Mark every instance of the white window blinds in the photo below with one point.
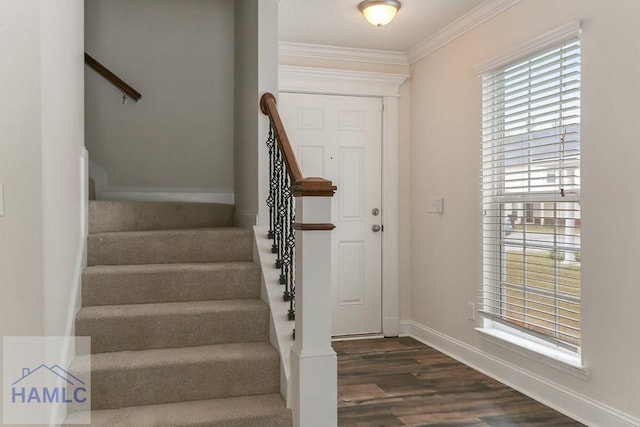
(531, 195)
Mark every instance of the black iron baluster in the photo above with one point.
(271, 144)
(281, 218)
(291, 245)
(286, 254)
(278, 171)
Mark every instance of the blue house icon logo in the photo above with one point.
(34, 386)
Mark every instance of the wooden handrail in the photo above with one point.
(311, 186)
(112, 78)
(269, 107)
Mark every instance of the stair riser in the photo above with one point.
(277, 420)
(193, 283)
(105, 216)
(272, 421)
(171, 299)
(283, 420)
(149, 248)
(118, 388)
(266, 410)
(130, 332)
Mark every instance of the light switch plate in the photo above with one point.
(435, 205)
(1, 199)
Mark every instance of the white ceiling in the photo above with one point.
(340, 23)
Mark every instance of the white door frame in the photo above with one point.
(385, 86)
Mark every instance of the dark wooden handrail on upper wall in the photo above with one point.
(301, 186)
(112, 78)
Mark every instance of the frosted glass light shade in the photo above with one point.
(379, 12)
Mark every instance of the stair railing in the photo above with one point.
(286, 181)
(127, 90)
(299, 230)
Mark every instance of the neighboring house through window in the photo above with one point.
(531, 174)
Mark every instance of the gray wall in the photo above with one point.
(246, 106)
(256, 68)
(179, 55)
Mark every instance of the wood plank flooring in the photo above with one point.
(402, 382)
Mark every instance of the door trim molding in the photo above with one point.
(339, 82)
(387, 87)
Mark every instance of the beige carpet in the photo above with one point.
(171, 300)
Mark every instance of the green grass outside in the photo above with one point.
(542, 271)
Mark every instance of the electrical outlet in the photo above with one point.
(471, 311)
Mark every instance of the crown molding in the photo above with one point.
(462, 25)
(329, 81)
(467, 22)
(343, 53)
(568, 31)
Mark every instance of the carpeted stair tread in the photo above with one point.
(266, 410)
(111, 215)
(168, 325)
(170, 246)
(171, 300)
(155, 283)
(148, 377)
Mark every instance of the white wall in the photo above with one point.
(41, 144)
(179, 55)
(445, 161)
(256, 68)
(21, 257)
(62, 78)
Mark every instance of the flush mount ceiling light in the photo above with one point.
(379, 12)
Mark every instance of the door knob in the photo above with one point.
(375, 211)
(375, 228)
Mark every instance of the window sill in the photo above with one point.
(549, 355)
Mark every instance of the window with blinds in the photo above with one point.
(531, 196)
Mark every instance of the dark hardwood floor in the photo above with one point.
(402, 382)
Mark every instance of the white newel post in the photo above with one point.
(313, 362)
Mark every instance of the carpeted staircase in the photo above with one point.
(171, 300)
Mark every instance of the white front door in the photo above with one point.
(339, 138)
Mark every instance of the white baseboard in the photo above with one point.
(581, 408)
(280, 327)
(68, 352)
(163, 195)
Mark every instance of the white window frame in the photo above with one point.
(492, 329)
